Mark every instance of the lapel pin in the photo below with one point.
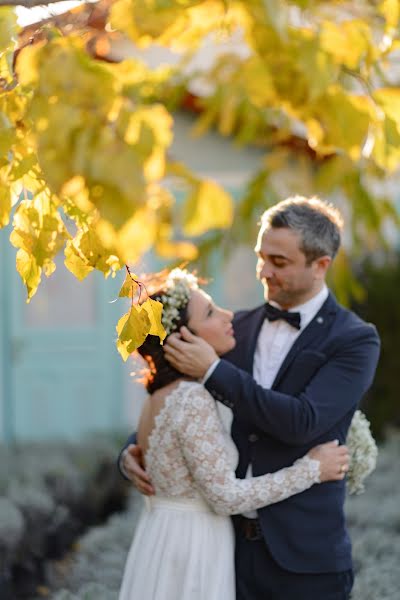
(320, 320)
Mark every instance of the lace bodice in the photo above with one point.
(189, 455)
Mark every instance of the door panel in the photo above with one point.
(64, 371)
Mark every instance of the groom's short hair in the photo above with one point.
(318, 223)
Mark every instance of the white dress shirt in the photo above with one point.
(273, 344)
(277, 337)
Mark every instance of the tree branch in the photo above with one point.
(30, 3)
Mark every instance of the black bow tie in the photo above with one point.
(273, 314)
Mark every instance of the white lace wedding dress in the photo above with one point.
(183, 548)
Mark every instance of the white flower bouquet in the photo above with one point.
(363, 453)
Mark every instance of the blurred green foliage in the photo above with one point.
(381, 306)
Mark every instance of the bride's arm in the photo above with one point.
(201, 437)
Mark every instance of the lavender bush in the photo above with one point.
(95, 570)
(49, 494)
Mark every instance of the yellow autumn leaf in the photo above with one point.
(39, 233)
(90, 246)
(49, 266)
(5, 205)
(137, 235)
(207, 207)
(389, 100)
(22, 165)
(75, 262)
(121, 347)
(345, 119)
(129, 287)
(257, 81)
(7, 133)
(142, 21)
(29, 271)
(386, 149)
(27, 65)
(347, 42)
(8, 27)
(176, 249)
(154, 311)
(132, 329)
(390, 9)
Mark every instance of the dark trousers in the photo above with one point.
(259, 577)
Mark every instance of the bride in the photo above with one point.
(183, 548)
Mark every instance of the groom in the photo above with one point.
(299, 369)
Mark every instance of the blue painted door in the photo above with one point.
(61, 371)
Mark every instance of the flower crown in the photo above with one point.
(178, 286)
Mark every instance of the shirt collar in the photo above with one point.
(309, 309)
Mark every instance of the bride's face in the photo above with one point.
(210, 322)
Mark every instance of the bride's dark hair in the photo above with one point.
(160, 372)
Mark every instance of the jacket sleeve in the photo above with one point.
(334, 390)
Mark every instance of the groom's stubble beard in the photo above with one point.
(289, 295)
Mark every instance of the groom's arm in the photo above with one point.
(335, 389)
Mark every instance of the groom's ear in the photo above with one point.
(321, 266)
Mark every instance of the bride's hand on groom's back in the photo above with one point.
(333, 459)
(132, 464)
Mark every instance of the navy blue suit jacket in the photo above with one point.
(312, 400)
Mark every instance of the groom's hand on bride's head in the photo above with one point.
(132, 465)
(189, 353)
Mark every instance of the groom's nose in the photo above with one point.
(267, 271)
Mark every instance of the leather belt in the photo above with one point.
(250, 529)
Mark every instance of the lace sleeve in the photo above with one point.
(200, 435)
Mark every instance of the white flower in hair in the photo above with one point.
(178, 287)
(363, 453)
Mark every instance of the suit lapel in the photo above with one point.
(315, 329)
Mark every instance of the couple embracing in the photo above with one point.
(292, 373)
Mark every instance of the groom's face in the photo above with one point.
(282, 267)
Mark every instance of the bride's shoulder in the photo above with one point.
(193, 393)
